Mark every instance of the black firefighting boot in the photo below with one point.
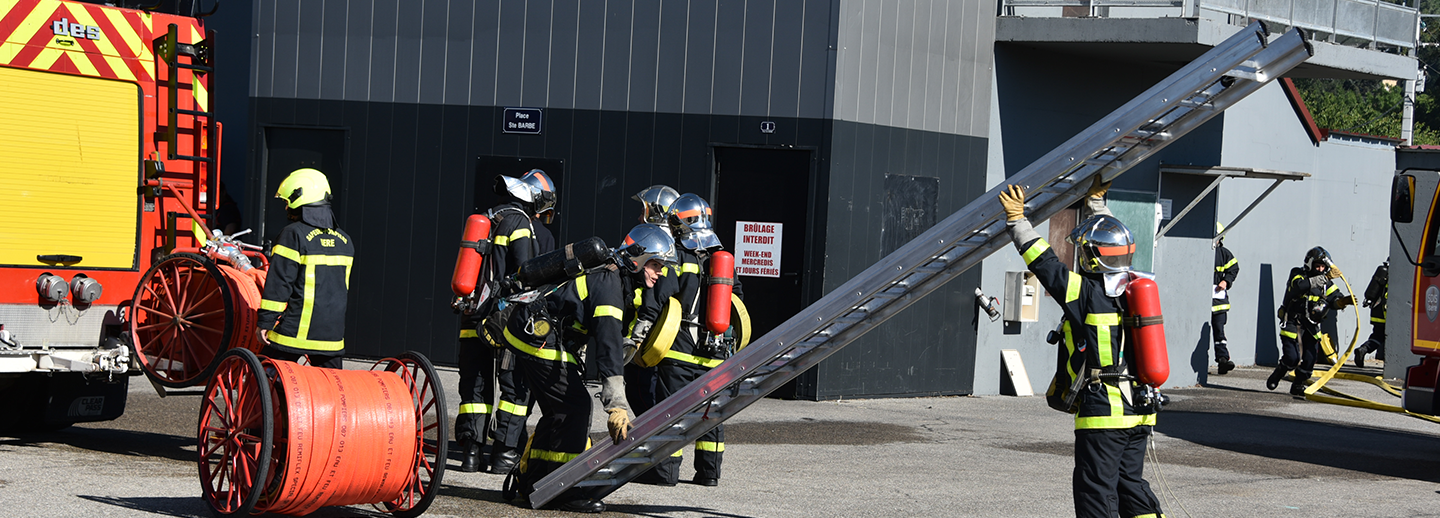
(1361, 351)
(1275, 377)
(502, 462)
(470, 456)
(1224, 366)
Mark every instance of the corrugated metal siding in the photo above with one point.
(732, 57)
(921, 65)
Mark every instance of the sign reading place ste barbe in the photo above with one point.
(521, 120)
(757, 248)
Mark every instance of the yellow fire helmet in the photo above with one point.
(303, 187)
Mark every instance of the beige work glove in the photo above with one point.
(1012, 199)
(1333, 273)
(1098, 188)
(1348, 300)
(618, 423)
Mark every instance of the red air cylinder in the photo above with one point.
(467, 265)
(1147, 328)
(717, 295)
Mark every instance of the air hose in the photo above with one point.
(1336, 397)
(341, 438)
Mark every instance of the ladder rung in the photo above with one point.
(196, 113)
(631, 460)
(205, 159)
(201, 68)
(596, 482)
(666, 438)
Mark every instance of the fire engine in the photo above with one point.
(1415, 273)
(109, 155)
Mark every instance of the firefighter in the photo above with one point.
(655, 202)
(1309, 297)
(519, 234)
(1377, 297)
(302, 311)
(597, 302)
(1226, 268)
(694, 351)
(1113, 414)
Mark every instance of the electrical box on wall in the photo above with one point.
(1022, 297)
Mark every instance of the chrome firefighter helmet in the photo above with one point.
(304, 187)
(534, 190)
(1315, 258)
(656, 201)
(1103, 245)
(645, 242)
(692, 218)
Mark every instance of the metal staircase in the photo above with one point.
(1185, 100)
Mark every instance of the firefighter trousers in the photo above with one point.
(673, 375)
(1217, 332)
(1109, 474)
(515, 403)
(639, 387)
(1299, 347)
(562, 433)
(476, 360)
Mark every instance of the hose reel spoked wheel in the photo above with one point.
(237, 421)
(430, 435)
(181, 318)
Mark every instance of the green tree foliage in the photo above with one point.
(1366, 106)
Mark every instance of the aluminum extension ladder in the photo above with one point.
(1185, 100)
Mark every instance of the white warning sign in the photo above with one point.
(757, 248)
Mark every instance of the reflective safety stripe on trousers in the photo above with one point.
(512, 408)
(474, 408)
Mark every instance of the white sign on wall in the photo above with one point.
(757, 248)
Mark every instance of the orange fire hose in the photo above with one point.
(247, 302)
(342, 438)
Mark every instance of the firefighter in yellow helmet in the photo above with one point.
(302, 312)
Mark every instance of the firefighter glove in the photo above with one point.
(1098, 188)
(642, 329)
(1012, 199)
(612, 393)
(618, 423)
(1332, 272)
(1316, 280)
(1348, 300)
(1280, 313)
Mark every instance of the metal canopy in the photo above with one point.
(1221, 173)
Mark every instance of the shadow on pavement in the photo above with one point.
(118, 442)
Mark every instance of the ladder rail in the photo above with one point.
(928, 262)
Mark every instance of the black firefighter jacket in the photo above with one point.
(306, 290)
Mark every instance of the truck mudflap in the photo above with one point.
(40, 401)
(1420, 381)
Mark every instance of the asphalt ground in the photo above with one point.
(1226, 448)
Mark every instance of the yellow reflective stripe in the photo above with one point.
(708, 363)
(326, 260)
(519, 233)
(300, 343)
(579, 327)
(307, 304)
(609, 311)
(1287, 334)
(1103, 322)
(512, 408)
(1113, 422)
(544, 354)
(1069, 346)
(582, 288)
(286, 252)
(502, 240)
(270, 305)
(690, 268)
(1035, 250)
(474, 408)
(638, 299)
(469, 333)
(1219, 307)
(1150, 515)
(1377, 320)
(1332, 289)
(1227, 266)
(710, 446)
(678, 453)
(552, 456)
(1072, 288)
(198, 232)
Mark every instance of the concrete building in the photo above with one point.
(856, 124)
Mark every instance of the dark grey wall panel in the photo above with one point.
(286, 51)
(562, 54)
(409, 31)
(487, 40)
(589, 56)
(384, 48)
(759, 47)
(817, 62)
(305, 77)
(670, 57)
(615, 76)
(459, 52)
(434, 23)
(332, 52)
(785, 59)
(644, 51)
(510, 52)
(700, 57)
(359, 28)
(729, 49)
(535, 69)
